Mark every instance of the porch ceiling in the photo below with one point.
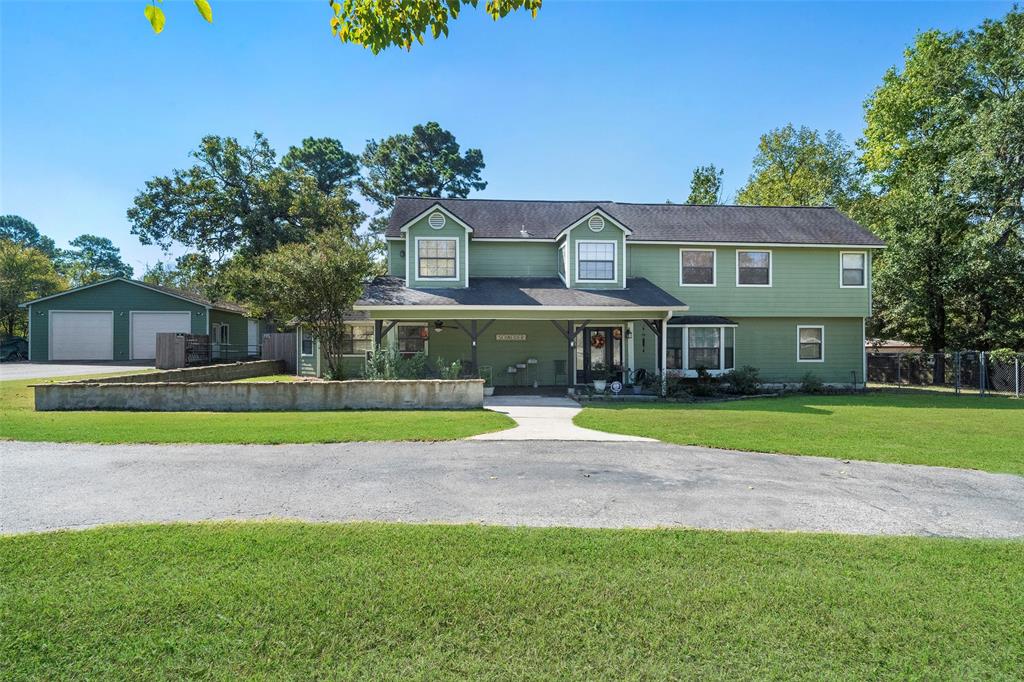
(537, 298)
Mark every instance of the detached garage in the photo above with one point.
(118, 320)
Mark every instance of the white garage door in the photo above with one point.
(145, 327)
(82, 335)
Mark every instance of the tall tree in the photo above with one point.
(239, 201)
(706, 185)
(315, 283)
(91, 259)
(428, 163)
(26, 273)
(801, 167)
(192, 272)
(944, 149)
(379, 24)
(21, 231)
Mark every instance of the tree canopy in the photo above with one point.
(800, 167)
(429, 162)
(944, 155)
(240, 200)
(26, 273)
(19, 230)
(379, 24)
(314, 283)
(706, 185)
(91, 259)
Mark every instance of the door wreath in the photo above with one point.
(597, 341)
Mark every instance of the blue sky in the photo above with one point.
(590, 100)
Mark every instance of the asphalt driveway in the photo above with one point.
(539, 483)
(41, 370)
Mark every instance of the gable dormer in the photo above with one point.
(436, 250)
(592, 252)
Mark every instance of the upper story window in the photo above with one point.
(561, 261)
(810, 343)
(437, 258)
(595, 261)
(697, 267)
(853, 265)
(358, 339)
(753, 268)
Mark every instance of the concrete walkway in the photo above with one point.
(45, 486)
(545, 418)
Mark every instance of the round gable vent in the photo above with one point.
(436, 220)
(596, 223)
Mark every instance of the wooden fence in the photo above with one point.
(280, 347)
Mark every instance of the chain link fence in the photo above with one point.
(963, 372)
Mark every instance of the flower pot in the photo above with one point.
(600, 385)
(488, 390)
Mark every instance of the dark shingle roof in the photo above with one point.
(700, 319)
(517, 291)
(227, 306)
(503, 219)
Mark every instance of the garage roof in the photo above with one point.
(190, 296)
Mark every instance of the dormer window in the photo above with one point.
(595, 261)
(437, 258)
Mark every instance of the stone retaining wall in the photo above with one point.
(303, 396)
(227, 372)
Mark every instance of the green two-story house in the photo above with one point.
(558, 293)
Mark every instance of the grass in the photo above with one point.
(375, 601)
(20, 421)
(908, 427)
(274, 378)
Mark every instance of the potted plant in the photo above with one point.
(600, 377)
(485, 374)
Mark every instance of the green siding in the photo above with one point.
(770, 345)
(451, 229)
(805, 281)
(396, 257)
(581, 232)
(509, 259)
(121, 298)
(238, 334)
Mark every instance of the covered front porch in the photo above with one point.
(527, 332)
(520, 354)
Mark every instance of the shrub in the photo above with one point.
(388, 363)
(811, 383)
(746, 380)
(449, 371)
(677, 389)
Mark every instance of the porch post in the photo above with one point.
(663, 354)
(570, 358)
(378, 333)
(472, 341)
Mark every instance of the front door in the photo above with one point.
(599, 354)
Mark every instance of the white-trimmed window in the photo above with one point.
(810, 343)
(357, 339)
(437, 258)
(853, 269)
(561, 261)
(753, 268)
(692, 347)
(306, 343)
(596, 261)
(221, 332)
(697, 267)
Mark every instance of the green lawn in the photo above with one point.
(910, 427)
(275, 378)
(375, 601)
(20, 421)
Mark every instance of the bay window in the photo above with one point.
(692, 347)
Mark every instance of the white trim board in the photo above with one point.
(435, 207)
